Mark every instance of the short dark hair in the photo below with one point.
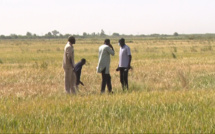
(107, 41)
(71, 39)
(83, 60)
(122, 40)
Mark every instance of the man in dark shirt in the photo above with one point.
(78, 68)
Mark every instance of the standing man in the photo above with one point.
(124, 63)
(78, 68)
(104, 64)
(68, 66)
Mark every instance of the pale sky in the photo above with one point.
(121, 16)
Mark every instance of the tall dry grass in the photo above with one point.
(166, 94)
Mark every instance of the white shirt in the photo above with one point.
(124, 53)
(104, 58)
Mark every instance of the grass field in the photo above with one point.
(171, 88)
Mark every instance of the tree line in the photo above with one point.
(56, 34)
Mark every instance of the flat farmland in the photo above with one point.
(171, 88)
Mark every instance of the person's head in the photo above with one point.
(83, 61)
(122, 42)
(71, 39)
(107, 41)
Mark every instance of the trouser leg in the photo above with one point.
(73, 82)
(122, 78)
(77, 83)
(126, 78)
(108, 78)
(67, 80)
(104, 81)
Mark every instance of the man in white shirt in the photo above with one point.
(104, 64)
(124, 63)
(68, 66)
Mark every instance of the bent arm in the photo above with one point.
(78, 76)
(111, 51)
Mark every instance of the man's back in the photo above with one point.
(78, 68)
(104, 57)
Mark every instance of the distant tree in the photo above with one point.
(61, 35)
(28, 35)
(175, 34)
(2, 37)
(55, 32)
(13, 36)
(102, 33)
(115, 34)
(155, 35)
(49, 35)
(84, 34)
(93, 34)
(67, 35)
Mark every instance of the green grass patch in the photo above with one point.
(136, 112)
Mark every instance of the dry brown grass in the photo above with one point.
(33, 67)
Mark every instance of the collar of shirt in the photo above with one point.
(123, 46)
(70, 44)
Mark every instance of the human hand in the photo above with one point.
(130, 67)
(82, 83)
(74, 70)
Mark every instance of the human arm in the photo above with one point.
(129, 58)
(129, 62)
(111, 46)
(110, 50)
(70, 56)
(117, 69)
(81, 83)
(78, 76)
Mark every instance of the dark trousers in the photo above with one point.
(124, 77)
(106, 80)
